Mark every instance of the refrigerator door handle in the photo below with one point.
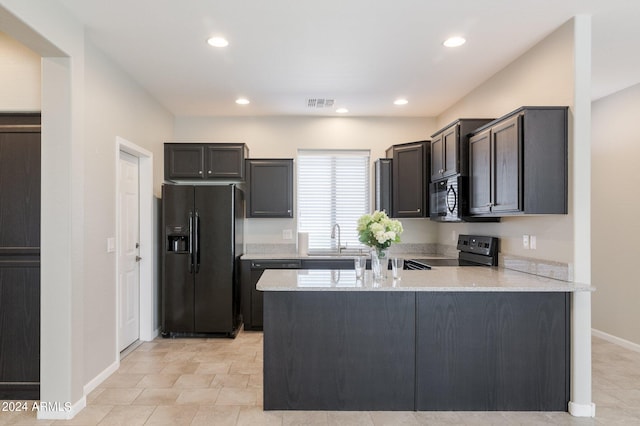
(190, 242)
(197, 243)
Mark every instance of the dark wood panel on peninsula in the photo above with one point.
(339, 351)
(492, 351)
(385, 350)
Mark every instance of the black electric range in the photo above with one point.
(474, 250)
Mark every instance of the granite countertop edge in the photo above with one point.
(295, 256)
(448, 279)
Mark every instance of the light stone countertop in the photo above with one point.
(279, 256)
(469, 278)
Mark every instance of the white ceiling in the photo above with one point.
(362, 53)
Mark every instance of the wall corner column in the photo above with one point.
(62, 313)
(581, 404)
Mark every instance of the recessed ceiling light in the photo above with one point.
(400, 102)
(218, 42)
(342, 110)
(242, 101)
(454, 42)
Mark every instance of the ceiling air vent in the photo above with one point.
(320, 103)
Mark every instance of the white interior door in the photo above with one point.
(128, 251)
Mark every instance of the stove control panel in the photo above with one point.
(478, 244)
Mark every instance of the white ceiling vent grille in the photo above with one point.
(320, 103)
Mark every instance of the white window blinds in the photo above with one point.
(333, 188)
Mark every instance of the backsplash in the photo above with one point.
(257, 248)
(540, 267)
(543, 268)
(402, 248)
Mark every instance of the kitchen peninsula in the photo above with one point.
(456, 338)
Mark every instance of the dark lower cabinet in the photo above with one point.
(19, 256)
(251, 298)
(251, 271)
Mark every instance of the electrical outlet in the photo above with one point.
(287, 234)
(532, 242)
(525, 242)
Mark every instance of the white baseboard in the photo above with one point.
(95, 382)
(582, 410)
(616, 340)
(149, 335)
(60, 411)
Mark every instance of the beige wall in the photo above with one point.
(615, 206)
(114, 106)
(20, 74)
(283, 136)
(541, 76)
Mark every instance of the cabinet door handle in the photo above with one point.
(199, 172)
(209, 172)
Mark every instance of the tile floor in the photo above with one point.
(219, 382)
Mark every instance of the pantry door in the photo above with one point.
(128, 251)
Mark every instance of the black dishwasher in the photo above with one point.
(250, 273)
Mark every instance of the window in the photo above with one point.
(333, 188)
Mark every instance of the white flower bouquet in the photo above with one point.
(378, 231)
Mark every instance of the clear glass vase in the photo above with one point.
(379, 263)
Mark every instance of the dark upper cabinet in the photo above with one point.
(409, 179)
(449, 148)
(217, 161)
(270, 188)
(518, 164)
(480, 173)
(506, 140)
(383, 170)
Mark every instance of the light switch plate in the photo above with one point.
(532, 242)
(287, 234)
(111, 244)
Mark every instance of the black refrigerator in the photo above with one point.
(203, 240)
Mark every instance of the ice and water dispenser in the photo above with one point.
(177, 239)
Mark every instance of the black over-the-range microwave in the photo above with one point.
(444, 203)
(449, 200)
